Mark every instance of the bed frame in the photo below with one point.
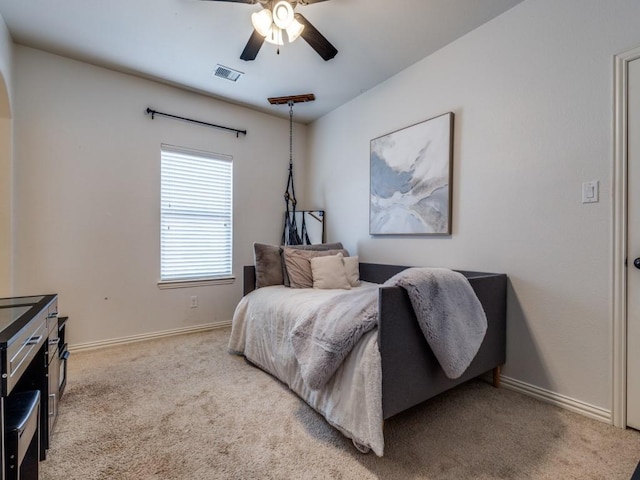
(411, 373)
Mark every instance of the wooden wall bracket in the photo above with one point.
(307, 97)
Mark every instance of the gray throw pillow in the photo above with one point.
(268, 263)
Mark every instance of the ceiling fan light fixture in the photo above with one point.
(262, 21)
(294, 30)
(283, 14)
(274, 35)
(277, 17)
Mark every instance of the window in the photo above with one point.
(196, 223)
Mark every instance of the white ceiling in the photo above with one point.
(181, 41)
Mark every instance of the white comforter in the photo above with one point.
(351, 400)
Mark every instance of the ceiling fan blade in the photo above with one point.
(317, 41)
(309, 2)
(252, 47)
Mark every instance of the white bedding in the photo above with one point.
(351, 400)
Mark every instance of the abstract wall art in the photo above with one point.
(411, 176)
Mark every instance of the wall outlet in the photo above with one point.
(194, 301)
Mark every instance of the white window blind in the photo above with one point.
(196, 215)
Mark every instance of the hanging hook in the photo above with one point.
(290, 103)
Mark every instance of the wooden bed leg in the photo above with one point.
(496, 377)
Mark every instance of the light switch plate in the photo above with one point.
(591, 191)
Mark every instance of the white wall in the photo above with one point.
(5, 206)
(87, 193)
(6, 77)
(532, 96)
(6, 73)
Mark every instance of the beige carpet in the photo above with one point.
(183, 408)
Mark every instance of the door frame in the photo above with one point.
(620, 232)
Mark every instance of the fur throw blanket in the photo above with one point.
(448, 312)
(323, 338)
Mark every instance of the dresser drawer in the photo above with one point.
(25, 347)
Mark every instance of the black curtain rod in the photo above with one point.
(153, 113)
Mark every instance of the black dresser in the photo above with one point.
(33, 355)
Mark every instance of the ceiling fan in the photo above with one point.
(277, 18)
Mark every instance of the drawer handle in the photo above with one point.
(34, 340)
(53, 341)
(52, 315)
(52, 402)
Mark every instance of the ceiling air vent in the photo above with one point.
(227, 73)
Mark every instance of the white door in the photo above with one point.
(633, 252)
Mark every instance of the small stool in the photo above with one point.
(22, 413)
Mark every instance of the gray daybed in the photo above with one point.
(410, 373)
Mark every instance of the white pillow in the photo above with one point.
(352, 269)
(329, 272)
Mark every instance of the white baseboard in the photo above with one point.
(80, 347)
(557, 399)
